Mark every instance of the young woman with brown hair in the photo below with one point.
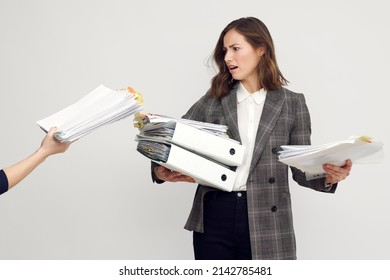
(254, 221)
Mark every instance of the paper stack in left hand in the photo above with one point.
(310, 158)
(99, 107)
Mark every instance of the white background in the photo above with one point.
(97, 200)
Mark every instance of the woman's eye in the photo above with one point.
(236, 48)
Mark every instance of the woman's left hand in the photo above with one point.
(337, 173)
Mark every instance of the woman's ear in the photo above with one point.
(260, 51)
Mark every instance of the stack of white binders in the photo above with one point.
(200, 150)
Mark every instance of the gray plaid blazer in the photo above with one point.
(285, 121)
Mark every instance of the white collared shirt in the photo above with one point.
(249, 109)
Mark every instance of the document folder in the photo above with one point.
(203, 170)
(219, 148)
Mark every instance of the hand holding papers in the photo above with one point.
(196, 149)
(311, 158)
(101, 106)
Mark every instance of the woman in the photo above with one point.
(12, 175)
(247, 94)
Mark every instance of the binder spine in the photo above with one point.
(204, 171)
(218, 148)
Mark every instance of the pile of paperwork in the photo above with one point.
(310, 159)
(99, 107)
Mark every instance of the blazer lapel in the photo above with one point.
(272, 107)
(229, 107)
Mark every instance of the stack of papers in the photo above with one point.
(142, 119)
(200, 150)
(99, 107)
(310, 159)
(156, 151)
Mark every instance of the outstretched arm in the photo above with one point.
(22, 169)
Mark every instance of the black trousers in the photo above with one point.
(226, 229)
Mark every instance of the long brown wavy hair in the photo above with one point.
(257, 35)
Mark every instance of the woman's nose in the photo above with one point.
(227, 57)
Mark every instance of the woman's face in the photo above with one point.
(241, 58)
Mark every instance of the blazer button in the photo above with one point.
(275, 150)
(274, 208)
(271, 180)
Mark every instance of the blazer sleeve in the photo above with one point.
(3, 182)
(154, 177)
(300, 135)
(197, 111)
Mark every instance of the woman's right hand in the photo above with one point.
(168, 175)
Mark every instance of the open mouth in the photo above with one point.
(232, 67)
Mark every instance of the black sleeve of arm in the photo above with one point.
(3, 182)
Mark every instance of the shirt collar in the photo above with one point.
(242, 94)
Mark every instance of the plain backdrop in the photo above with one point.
(97, 201)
